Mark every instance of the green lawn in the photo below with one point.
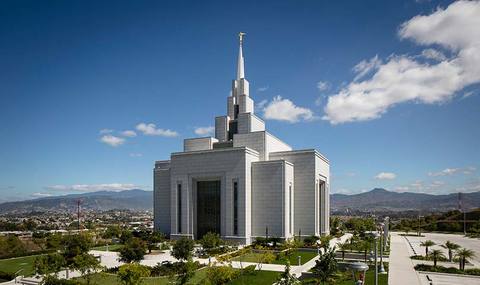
(111, 247)
(255, 257)
(12, 265)
(260, 277)
(346, 279)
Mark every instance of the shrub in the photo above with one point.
(311, 240)
(183, 248)
(249, 270)
(218, 275)
(210, 241)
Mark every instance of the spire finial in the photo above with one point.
(240, 64)
(240, 37)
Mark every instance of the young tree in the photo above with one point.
(133, 251)
(186, 271)
(183, 249)
(287, 278)
(132, 273)
(450, 246)
(326, 266)
(436, 254)
(325, 241)
(463, 255)
(74, 245)
(86, 264)
(210, 241)
(427, 244)
(365, 246)
(219, 275)
(49, 264)
(153, 239)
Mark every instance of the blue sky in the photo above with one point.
(391, 99)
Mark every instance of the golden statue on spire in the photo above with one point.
(240, 36)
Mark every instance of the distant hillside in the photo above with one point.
(374, 200)
(382, 200)
(103, 200)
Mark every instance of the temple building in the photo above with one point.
(244, 182)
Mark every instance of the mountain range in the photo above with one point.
(375, 200)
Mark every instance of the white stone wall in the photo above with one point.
(221, 128)
(273, 144)
(270, 181)
(304, 181)
(255, 140)
(322, 169)
(245, 104)
(256, 124)
(161, 197)
(224, 165)
(198, 144)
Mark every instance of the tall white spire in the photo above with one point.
(240, 64)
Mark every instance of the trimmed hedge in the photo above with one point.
(443, 269)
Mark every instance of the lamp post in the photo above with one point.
(358, 267)
(382, 238)
(375, 236)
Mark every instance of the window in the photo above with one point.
(290, 200)
(179, 208)
(235, 207)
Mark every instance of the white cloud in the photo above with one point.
(112, 140)
(40, 195)
(261, 104)
(450, 171)
(135, 154)
(285, 110)
(403, 78)
(263, 89)
(129, 133)
(445, 172)
(323, 85)
(385, 176)
(105, 131)
(204, 131)
(366, 66)
(151, 130)
(93, 187)
(434, 54)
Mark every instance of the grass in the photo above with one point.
(112, 247)
(12, 265)
(260, 277)
(346, 279)
(293, 258)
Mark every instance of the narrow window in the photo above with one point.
(290, 200)
(235, 208)
(179, 208)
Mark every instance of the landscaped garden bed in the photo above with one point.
(272, 257)
(443, 269)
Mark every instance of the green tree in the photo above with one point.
(219, 275)
(133, 251)
(132, 273)
(183, 249)
(286, 277)
(436, 254)
(48, 264)
(463, 255)
(112, 232)
(186, 271)
(364, 246)
(210, 241)
(74, 245)
(86, 264)
(153, 239)
(325, 267)
(450, 246)
(325, 241)
(427, 244)
(125, 236)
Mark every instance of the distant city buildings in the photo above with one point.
(242, 183)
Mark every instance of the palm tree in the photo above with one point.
(436, 254)
(451, 247)
(463, 255)
(427, 244)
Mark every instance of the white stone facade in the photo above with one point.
(243, 183)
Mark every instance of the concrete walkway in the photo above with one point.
(401, 269)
